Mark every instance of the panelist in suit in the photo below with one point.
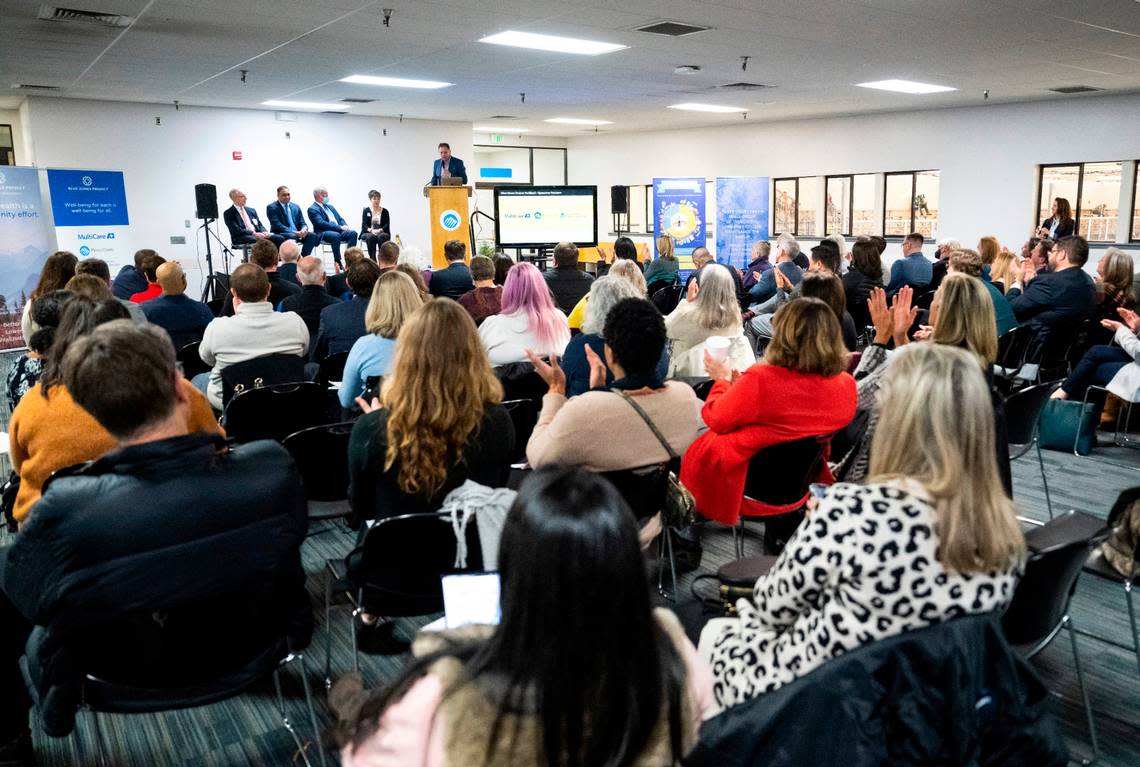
(328, 224)
(447, 166)
(285, 219)
(375, 228)
(244, 225)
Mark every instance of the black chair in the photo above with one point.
(1052, 349)
(395, 572)
(266, 370)
(1022, 413)
(332, 368)
(1098, 566)
(216, 306)
(779, 476)
(520, 381)
(190, 360)
(524, 415)
(701, 385)
(1013, 346)
(925, 300)
(1039, 609)
(666, 298)
(274, 412)
(320, 453)
(644, 489)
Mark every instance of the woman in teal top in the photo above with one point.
(394, 298)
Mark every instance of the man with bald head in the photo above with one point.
(289, 253)
(313, 296)
(183, 318)
(244, 225)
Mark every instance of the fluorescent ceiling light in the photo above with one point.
(691, 107)
(905, 86)
(577, 121)
(500, 129)
(394, 82)
(551, 43)
(306, 105)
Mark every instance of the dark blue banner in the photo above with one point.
(88, 198)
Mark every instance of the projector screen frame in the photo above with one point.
(513, 191)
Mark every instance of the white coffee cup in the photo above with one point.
(718, 346)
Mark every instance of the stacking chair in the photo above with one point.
(701, 385)
(261, 371)
(1022, 413)
(524, 416)
(190, 361)
(1099, 567)
(644, 489)
(520, 381)
(320, 453)
(274, 412)
(778, 480)
(332, 368)
(1013, 347)
(1120, 436)
(667, 297)
(216, 306)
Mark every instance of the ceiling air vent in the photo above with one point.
(55, 13)
(31, 87)
(504, 117)
(1075, 89)
(670, 28)
(743, 87)
(333, 112)
(358, 101)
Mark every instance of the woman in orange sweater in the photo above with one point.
(799, 390)
(49, 431)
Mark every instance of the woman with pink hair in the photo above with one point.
(528, 320)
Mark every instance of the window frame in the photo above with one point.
(795, 205)
(1133, 228)
(850, 203)
(1133, 235)
(12, 148)
(913, 192)
(530, 165)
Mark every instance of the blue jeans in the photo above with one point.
(1098, 366)
(201, 382)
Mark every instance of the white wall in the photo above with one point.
(162, 163)
(988, 156)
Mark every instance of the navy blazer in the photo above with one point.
(1067, 296)
(284, 219)
(237, 226)
(455, 165)
(339, 327)
(1064, 228)
(451, 282)
(321, 222)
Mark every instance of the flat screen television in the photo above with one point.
(543, 216)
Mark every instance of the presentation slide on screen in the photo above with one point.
(536, 216)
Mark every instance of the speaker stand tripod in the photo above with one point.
(213, 288)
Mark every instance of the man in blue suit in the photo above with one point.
(447, 166)
(329, 225)
(285, 219)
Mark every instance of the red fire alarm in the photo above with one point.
(237, 155)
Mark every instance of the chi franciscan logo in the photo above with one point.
(87, 181)
(449, 220)
(85, 251)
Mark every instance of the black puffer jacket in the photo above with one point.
(950, 694)
(162, 565)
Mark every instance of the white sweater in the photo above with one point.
(508, 336)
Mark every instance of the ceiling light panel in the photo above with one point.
(552, 43)
(905, 86)
(394, 82)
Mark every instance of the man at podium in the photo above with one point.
(447, 167)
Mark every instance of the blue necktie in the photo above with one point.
(288, 218)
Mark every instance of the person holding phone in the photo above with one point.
(375, 225)
(1060, 222)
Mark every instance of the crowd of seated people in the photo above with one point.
(570, 555)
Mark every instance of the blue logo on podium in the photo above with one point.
(450, 220)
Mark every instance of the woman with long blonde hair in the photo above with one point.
(664, 269)
(394, 298)
(710, 309)
(1004, 270)
(931, 537)
(437, 423)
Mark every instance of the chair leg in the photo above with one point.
(98, 738)
(328, 628)
(672, 565)
(1084, 694)
(1044, 480)
(285, 716)
(1132, 620)
(352, 632)
(93, 727)
(312, 710)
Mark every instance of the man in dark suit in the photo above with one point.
(313, 298)
(343, 322)
(244, 225)
(566, 281)
(285, 219)
(328, 223)
(447, 166)
(337, 284)
(454, 280)
(1058, 299)
(183, 318)
(264, 254)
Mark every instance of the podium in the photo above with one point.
(449, 219)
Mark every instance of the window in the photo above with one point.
(7, 146)
(911, 204)
(1093, 192)
(850, 205)
(1135, 235)
(808, 218)
(498, 164)
(837, 219)
(785, 206)
(863, 219)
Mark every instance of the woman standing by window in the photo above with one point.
(1060, 222)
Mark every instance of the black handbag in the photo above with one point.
(8, 495)
(680, 506)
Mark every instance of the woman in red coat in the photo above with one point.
(800, 390)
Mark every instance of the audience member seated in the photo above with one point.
(1113, 282)
(529, 320)
(818, 284)
(606, 429)
(1060, 222)
(437, 423)
(605, 293)
(98, 267)
(1062, 297)
(286, 220)
(343, 322)
(150, 271)
(503, 264)
(244, 225)
(455, 279)
(941, 265)
(626, 270)
(661, 270)
(130, 279)
(1116, 366)
(567, 282)
(969, 262)
(254, 330)
(89, 286)
(58, 269)
(329, 225)
(264, 254)
(1004, 270)
(913, 269)
(389, 256)
(49, 431)
(786, 251)
(141, 527)
(337, 284)
(799, 390)
(701, 258)
(183, 318)
(375, 224)
(840, 243)
(26, 370)
(758, 265)
(709, 309)
(486, 297)
(824, 259)
(573, 582)
(289, 253)
(416, 276)
(865, 274)
(394, 299)
(988, 249)
(844, 579)
(1038, 257)
(313, 298)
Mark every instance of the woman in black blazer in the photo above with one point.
(375, 228)
(1060, 223)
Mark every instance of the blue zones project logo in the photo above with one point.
(450, 220)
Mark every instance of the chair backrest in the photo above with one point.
(191, 361)
(667, 298)
(643, 488)
(520, 381)
(399, 564)
(1023, 410)
(332, 367)
(780, 474)
(1041, 599)
(926, 299)
(320, 453)
(266, 370)
(524, 416)
(275, 411)
(1088, 333)
(216, 306)
(1013, 346)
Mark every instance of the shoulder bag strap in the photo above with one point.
(660, 438)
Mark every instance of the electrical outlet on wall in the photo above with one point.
(187, 223)
(177, 240)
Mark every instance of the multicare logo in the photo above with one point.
(107, 236)
(450, 220)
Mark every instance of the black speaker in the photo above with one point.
(206, 199)
(619, 199)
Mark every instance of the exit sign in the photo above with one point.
(497, 138)
(236, 155)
